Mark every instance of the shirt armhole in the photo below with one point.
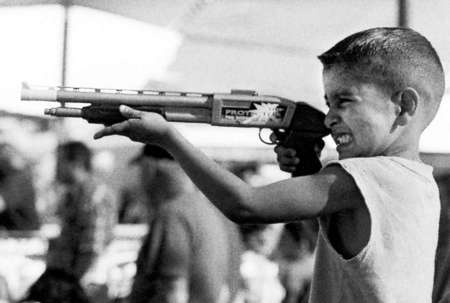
(354, 174)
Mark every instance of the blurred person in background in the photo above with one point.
(191, 252)
(132, 205)
(295, 255)
(260, 282)
(56, 286)
(259, 272)
(87, 215)
(5, 296)
(17, 193)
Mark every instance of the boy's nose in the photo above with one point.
(331, 119)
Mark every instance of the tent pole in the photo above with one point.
(61, 130)
(403, 13)
(66, 6)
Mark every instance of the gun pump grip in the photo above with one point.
(109, 114)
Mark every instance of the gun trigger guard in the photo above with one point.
(262, 139)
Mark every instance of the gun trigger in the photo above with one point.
(281, 135)
(262, 139)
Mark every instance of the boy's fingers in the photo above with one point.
(129, 112)
(287, 168)
(287, 161)
(290, 161)
(273, 137)
(290, 152)
(284, 151)
(107, 131)
(114, 129)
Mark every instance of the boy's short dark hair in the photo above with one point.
(393, 58)
(76, 151)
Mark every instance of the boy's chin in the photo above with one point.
(346, 151)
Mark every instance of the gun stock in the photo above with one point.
(297, 124)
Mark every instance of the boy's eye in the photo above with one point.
(344, 101)
(338, 102)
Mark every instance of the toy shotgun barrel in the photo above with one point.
(297, 124)
(238, 108)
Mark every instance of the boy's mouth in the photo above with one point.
(342, 139)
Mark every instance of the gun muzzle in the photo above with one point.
(30, 94)
(64, 112)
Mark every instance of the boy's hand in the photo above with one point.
(145, 127)
(287, 158)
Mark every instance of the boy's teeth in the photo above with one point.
(343, 139)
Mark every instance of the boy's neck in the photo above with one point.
(406, 144)
(406, 152)
(409, 155)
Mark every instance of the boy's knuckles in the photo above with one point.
(287, 168)
(289, 152)
(292, 161)
(283, 151)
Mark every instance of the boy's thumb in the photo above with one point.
(130, 113)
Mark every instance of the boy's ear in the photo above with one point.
(407, 101)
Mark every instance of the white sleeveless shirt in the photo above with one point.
(397, 264)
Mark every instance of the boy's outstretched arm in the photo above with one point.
(326, 192)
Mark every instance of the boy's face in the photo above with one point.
(361, 115)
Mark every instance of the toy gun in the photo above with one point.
(296, 124)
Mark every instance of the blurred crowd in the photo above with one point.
(187, 252)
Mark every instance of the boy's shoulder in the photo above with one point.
(392, 174)
(381, 163)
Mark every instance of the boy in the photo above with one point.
(378, 206)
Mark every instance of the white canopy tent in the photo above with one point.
(211, 46)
